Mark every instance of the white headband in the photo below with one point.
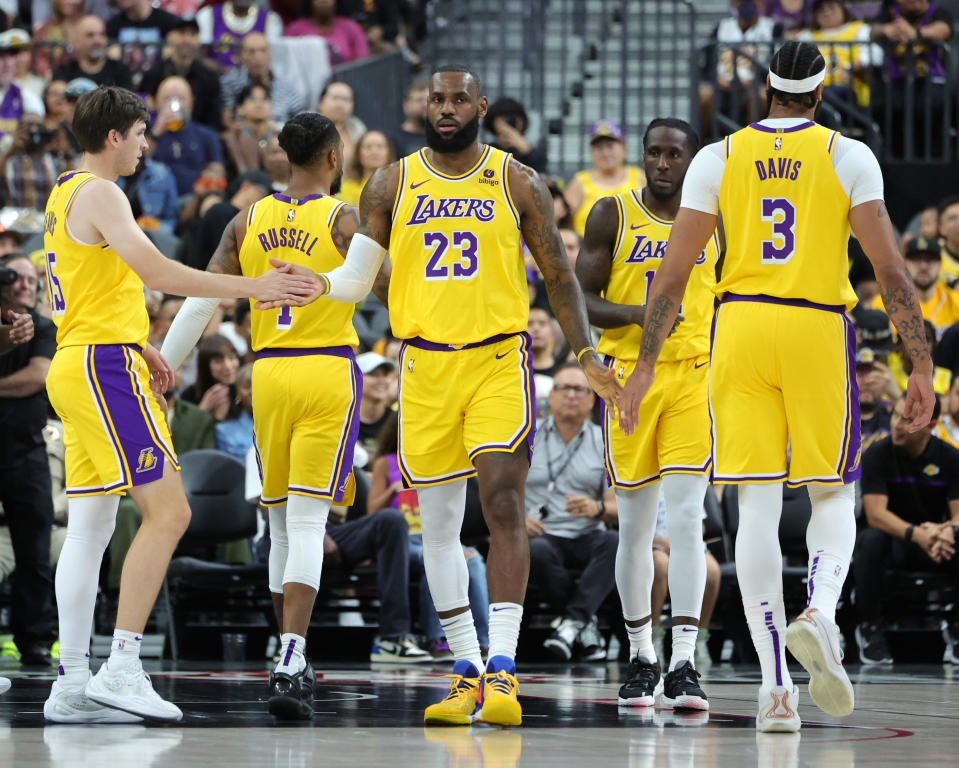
(796, 86)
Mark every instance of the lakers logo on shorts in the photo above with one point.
(147, 460)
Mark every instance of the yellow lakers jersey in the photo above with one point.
(458, 271)
(96, 298)
(635, 178)
(296, 231)
(640, 247)
(844, 57)
(786, 216)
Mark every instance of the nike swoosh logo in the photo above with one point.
(414, 186)
(699, 365)
(688, 629)
(500, 357)
(638, 226)
(504, 608)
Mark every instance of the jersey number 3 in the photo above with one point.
(464, 269)
(781, 213)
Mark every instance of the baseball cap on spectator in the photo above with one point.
(923, 248)
(606, 129)
(875, 332)
(15, 40)
(370, 361)
(78, 87)
(866, 358)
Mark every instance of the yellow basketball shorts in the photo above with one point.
(306, 419)
(783, 394)
(674, 433)
(114, 432)
(458, 403)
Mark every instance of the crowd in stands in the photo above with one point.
(218, 101)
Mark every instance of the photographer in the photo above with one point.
(25, 489)
(507, 121)
(29, 168)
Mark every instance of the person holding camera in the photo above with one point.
(30, 169)
(507, 121)
(568, 509)
(25, 489)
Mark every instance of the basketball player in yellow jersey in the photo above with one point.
(452, 216)
(626, 238)
(782, 371)
(306, 385)
(99, 382)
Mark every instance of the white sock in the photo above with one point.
(89, 529)
(292, 654)
(684, 643)
(830, 539)
(126, 648)
(641, 642)
(766, 617)
(460, 633)
(504, 621)
(305, 527)
(637, 511)
(759, 571)
(74, 666)
(279, 547)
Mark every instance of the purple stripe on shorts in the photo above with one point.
(852, 437)
(771, 626)
(342, 351)
(345, 458)
(791, 129)
(123, 409)
(764, 299)
(420, 343)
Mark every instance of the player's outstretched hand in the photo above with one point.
(21, 327)
(637, 385)
(162, 376)
(920, 401)
(287, 285)
(602, 380)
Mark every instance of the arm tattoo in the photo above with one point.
(345, 225)
(882, 210)
(902, 307)
(660, 314)
(542, 238)
(381, 284)
(376, 204)
(226, 257)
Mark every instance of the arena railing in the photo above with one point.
(911, 119)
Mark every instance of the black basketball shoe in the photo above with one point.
(644, 682)
(291, 696)
(681, 689)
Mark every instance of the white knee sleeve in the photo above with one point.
(305, 528)
(634, 555)
(279, 547)
(442, 508)
(687, 557)
(758, 555)
(89, 529)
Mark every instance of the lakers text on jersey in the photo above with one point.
(306, 384)
(674, 432)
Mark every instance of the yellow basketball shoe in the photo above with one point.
(498, 691)
(460, 703)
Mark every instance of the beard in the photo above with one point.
(337, 183)
(457, 142)
(661, 195)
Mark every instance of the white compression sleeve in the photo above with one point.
(442, 508)
(830, 539)
(187, 327)
(634, 555)
(89, 529)
(305, 528)
(352, 280)
(279, 548)
(687, 558)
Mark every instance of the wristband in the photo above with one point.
(909, 531)
(583, 351)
